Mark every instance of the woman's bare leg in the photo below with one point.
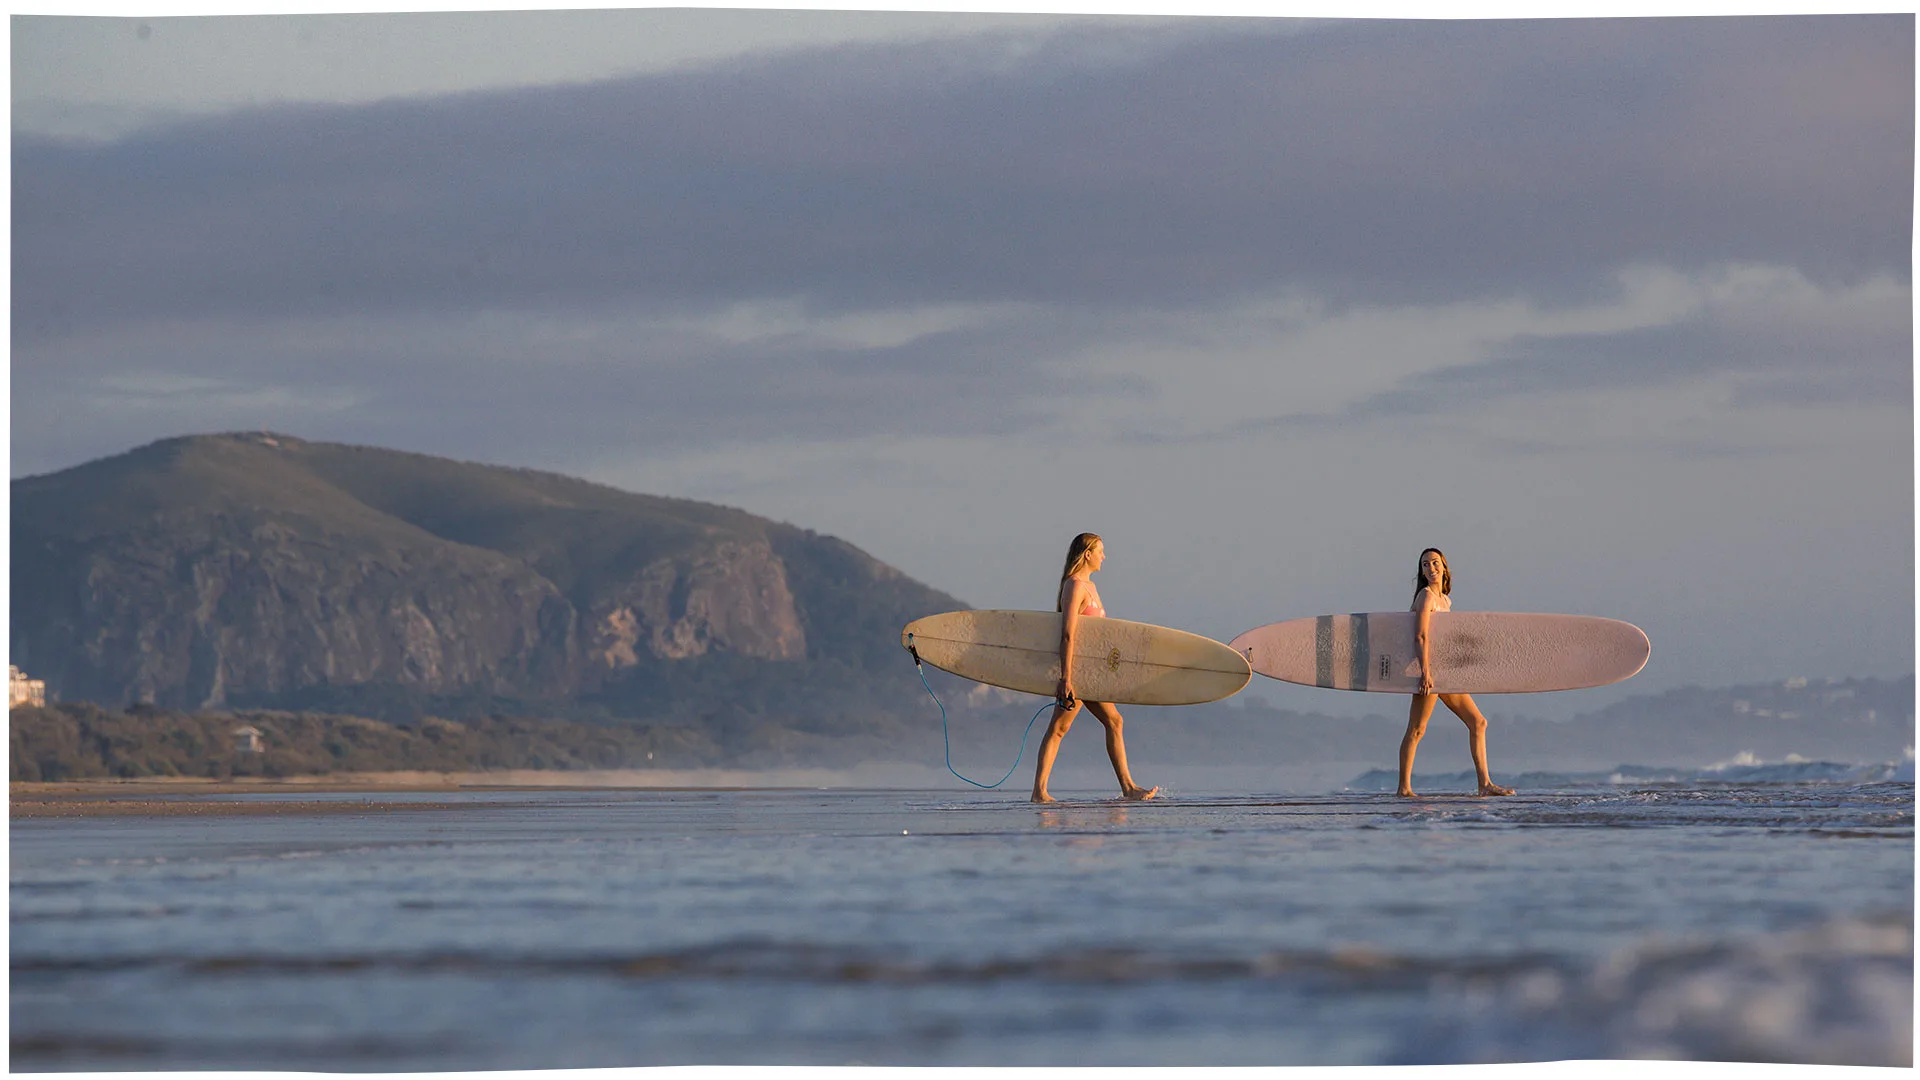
(1050, 747)
(1469, 714)
(1117, 750)
(1417, 716)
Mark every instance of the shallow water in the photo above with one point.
(1590, 917)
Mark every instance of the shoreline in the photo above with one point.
(180, 795)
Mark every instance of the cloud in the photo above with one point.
(95, 79)
(1767, 335)
(547, 386)
(693, 382)
(1378, 163)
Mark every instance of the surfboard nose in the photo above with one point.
(910, 633)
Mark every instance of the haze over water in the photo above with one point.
(1589, 917)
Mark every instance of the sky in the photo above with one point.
(1618, 313)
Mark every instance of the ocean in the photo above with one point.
(1761, 913)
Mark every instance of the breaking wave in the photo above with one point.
(1838, 993)
(1742, 770)
(1835, 992)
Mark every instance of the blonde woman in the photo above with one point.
(1078, 598)
(1433, 591)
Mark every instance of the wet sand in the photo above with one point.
(71, 806)
(168, 797)
(173, 796)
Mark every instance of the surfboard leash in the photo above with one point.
(948, 740)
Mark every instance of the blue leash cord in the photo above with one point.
(948, 740)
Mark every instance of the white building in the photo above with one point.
(22, 690)
(246, 740)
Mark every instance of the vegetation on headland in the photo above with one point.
(86, 742)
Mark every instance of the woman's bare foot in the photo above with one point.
(1141, 794)
(1041, 796)
(1406, 793)
(1491, 788)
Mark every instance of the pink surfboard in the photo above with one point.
(1473, 652)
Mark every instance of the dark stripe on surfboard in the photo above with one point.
(1359, 657)
(1323, 651)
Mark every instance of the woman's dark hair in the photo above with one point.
(1078, 553)
(1446, 573)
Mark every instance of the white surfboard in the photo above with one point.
(1114, 660)
(1473, 652)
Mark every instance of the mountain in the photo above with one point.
(255, 573)
(264, 571)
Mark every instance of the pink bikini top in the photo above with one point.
(1091, 605)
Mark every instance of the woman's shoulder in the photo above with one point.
(1428, 596)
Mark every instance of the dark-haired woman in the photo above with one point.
(1433, 591)
(1078, 598)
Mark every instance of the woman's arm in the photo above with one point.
(1069, 622)
(1422, 622)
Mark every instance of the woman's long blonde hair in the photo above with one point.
(1078, 553)
(1420, 573)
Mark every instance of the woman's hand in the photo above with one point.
(1063, 693)
(1426, 680)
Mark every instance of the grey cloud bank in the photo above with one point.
(1407, 163)
(101, 78)
(1605, 308)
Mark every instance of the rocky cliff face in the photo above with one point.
(733, 598)
(198, 572)
(185, 617)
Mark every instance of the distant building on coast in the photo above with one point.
(22, 690)
(246, 740)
